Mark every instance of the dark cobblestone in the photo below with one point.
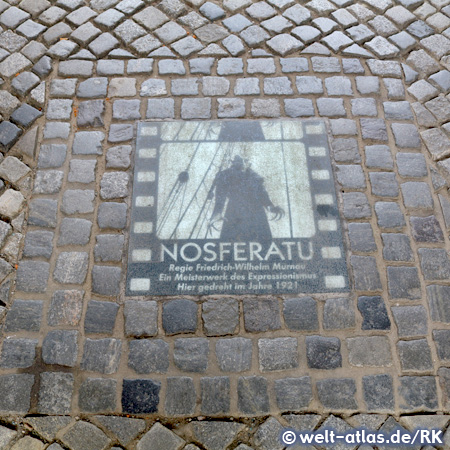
(396, 247)
(277, 354)
(361, 237)
(415, 355)
(65, 308)
(106, 280)
(101, 355)
(18, 387)
(426, 229)
(38, 243)
(338, 313)
(356, 206)
(410, 320)
(71, 267)
(220, 317)
(389, 215)
(180, 316)
(323, 352)
(18, 353)
(438, 300)
(366, 273)
(140, 396)
(32, 276)
(374, 313)
(293, 394)
(418, 393)
(112, 215)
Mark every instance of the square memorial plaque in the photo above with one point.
(234, 207)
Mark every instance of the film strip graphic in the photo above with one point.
(144, 264)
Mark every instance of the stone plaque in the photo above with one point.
(234, 207)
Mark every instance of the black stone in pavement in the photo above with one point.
(140, 396)
(374, 312)
(24, 315)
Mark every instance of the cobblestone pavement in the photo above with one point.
(84, 368)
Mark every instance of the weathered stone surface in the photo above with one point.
(180, 397)
(234, 355)
(252, 395)
(337, 394)
(293, 394)
(148, 356)
(378, 392)
(85, 436)
(60, 347)
(220, 317)
(55, 393)
(216, 435)
(369, 351)
(180, 316)
(374, 312)
(191, 354)
(215, 394)
(261, 314)
(160, 437)
(301, 314)
(126, 429)
(101, 355)
(323, 352)
(97, 395)
(16, 389)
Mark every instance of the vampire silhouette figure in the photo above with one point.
(245, 218)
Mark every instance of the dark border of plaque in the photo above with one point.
(172, 264)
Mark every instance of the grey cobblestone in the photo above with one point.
(277, 354)
(338, 313)
(252, 395)
(55, 392)
(148, 356)
(101, 355)
(323, 352)
(181, 396)
(369, 351)
(60, 347)
(191, 354)
(234, 355)
(179, 316)
(403, 282)
(410, 320)
(215, 394)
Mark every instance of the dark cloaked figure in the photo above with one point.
(245, 218)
